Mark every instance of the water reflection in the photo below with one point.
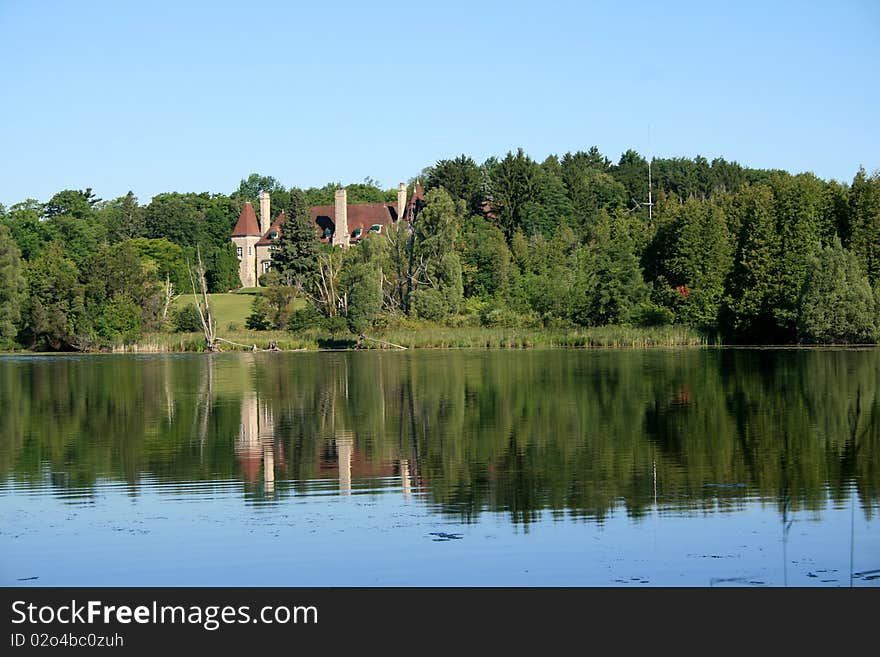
(574, 433)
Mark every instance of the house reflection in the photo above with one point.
(255, 444)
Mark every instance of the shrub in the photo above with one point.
(306, 318)
(429, 304)
(186, 319)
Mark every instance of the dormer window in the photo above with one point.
(376, 228)
(357, 232)
(273, 235)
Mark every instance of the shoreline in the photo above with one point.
(434, 338)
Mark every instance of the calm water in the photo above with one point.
(558, 467)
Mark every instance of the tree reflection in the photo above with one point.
(570, 432)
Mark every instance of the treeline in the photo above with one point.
(745, 255)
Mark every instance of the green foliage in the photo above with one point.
(753, 288)
(564, 242)
(119, 320)
(72, 202)
(798, 203)
(295, 252)
(591, 189)
(865, 222)
(305, 318)
(186, 319)
(30, 234)
(12, 290)
(366, 192)
(430, 304)
(611, 286)
(363, 282)
(461, 177)
(694, 258)
(122, 218)
(485, 259)
(272, 308)
(249, 189)
(169, 260)
(837, 304)
(55, 304)
(526, 196)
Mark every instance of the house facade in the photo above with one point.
(341, 224)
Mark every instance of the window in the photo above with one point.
(250, 250)
(238, 252)
(267, 265)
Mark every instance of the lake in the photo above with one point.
(566, 467)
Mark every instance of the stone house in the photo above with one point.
(340, 224)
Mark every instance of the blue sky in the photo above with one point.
(191, 96)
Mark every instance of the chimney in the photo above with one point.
(340, 217)
(401, 200)
(265, 217)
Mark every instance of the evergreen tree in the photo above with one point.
(12, 291)
(461, 177)
(295, 253)
(837, 304)
(865, 218)
(753, 288)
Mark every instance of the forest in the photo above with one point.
(739, 255)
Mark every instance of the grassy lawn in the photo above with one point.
(227, 308)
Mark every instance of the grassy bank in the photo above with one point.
(230, 310)
(429, 336)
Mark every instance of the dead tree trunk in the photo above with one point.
(209, 325)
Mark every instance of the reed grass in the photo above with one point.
(431, 336)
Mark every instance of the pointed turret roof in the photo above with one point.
(247, 225)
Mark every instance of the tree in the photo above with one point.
(591, 189)
(116, 280)
(274, 305)
(513, 183)
(363, 284)
(753, 289)
(461, 177)
(295, 253)
(249, 188)
(610, 285)
(485, 259)
(77, 203)
(123, 218)
(837, 303)
(12, 291)
(798, 202)
(865, 218)
(695, 259)
(632, 172)
(55, 300)
(29, 233)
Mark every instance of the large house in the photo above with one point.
(340, 224)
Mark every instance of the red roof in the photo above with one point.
(359, 215)
(266, 240)
(246, 225)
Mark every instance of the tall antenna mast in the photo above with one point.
(650, 198)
